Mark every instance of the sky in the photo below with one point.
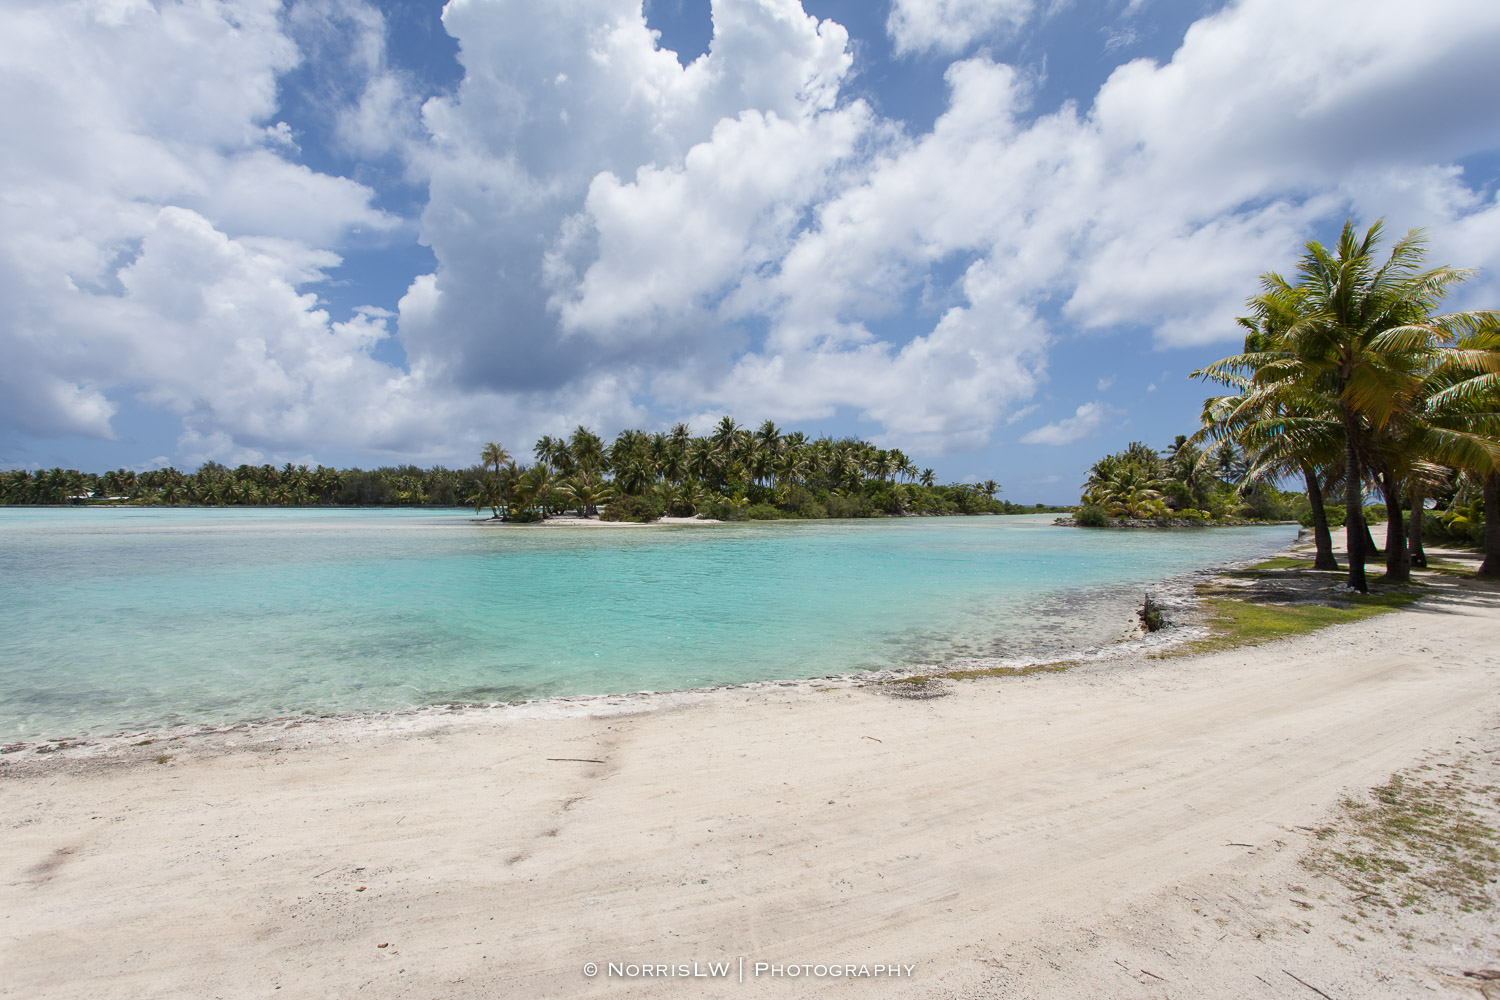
(996, 234)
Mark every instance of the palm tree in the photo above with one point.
(586, 494)
(535, 488)
(586, 449)
(1457, 424)
(724, 433)
(494, 454)
(703, 461)
(1360, 332)
(1285, 429)
(769, 436)
(1125, 486)
(634, 475)
(487, 494)
(548, 450)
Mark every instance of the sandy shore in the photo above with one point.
(1134, 828)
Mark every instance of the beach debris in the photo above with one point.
(1310, 986)
(581, 760)
(871, 738)
(1484, 974)
(386, 944)
(1151, 615)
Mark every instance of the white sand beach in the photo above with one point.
(1134, 828)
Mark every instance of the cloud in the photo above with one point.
(623, 239)
(161, 244)
(1084, 422)
(372, 108)
(952, 25)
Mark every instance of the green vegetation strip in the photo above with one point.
(1236, 622)
(1281, 562)
(1417, 839)
(1449, 567)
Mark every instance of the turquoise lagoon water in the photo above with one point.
(115, 620)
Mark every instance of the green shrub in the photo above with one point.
(1265, 504)
(802, 503)
(640, 509)
(1335, 517)
(843, 507)
(1375, 512)
(1091, 515)
(1462, 526)
(763, 512)
(721, 509)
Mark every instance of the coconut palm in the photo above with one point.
(1126, 486)
(1361, 332)
(586, 494)
(586, 449)
(724, 434)
(1456, 424)
(1285, 429)
(487, 494)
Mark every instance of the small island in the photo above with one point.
(731, 474)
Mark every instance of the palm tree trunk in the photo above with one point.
(1418, 556)
(1491, 564)
(1354, 515)
(1322, 538)
(1397, 559)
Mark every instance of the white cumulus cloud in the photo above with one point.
(623, 239)
(1085, 422)
(952, 25)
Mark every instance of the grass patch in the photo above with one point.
(1235, 622)
(1413, 841)
(1282, 562)
(974, 675)
(1449, 567)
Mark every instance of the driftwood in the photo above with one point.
(581, 760)
(1151, 615)
(1310, 986)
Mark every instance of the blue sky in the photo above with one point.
(997, 234)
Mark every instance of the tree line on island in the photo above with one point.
(1351, 382)
(733, 473)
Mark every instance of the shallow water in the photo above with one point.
(124, 619)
